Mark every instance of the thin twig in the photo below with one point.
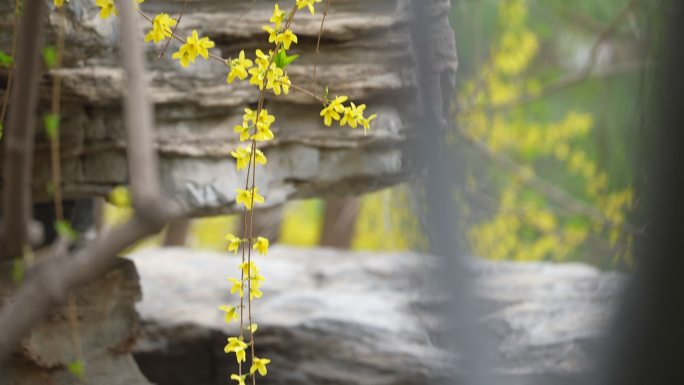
(318, 45)
(175, 28)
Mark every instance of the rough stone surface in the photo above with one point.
(334, 317)
(108, 325)
(365, 54)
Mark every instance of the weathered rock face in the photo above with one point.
(365, 54)
(108, 326)
(337, 317)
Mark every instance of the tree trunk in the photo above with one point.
(339, 222)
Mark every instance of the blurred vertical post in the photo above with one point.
(647, 345)
(429, 154)
(339, 222)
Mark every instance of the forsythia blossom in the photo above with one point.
(259, 364)
(333, 110)
(238, 68)
(278, 16)
(243, 155)
(286, 38)
(261, 245)
(194, 46)
(248, 197)
(107, 8)
(239, 379)
(233, 243)
(161, 28)
(307, 3)
(231, 313)
(236, 345)
(237, 286)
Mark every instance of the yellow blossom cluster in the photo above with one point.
(351, 115)
(161, 28)
(527, 223)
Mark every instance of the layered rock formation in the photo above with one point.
(108, 326)
(335, 317)
(365, 54)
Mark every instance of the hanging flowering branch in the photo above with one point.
(267, 72)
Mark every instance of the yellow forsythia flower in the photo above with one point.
(161, 28)
(278, 16)
(238, 68)
(231, 313)
(233, 242)
(194, 46)
(249, 268)
(263, 126)
(261, 245)
(239, 379)
(307, 3)
(236, 345)
(243, 155)
(237, 286)
(278, 81)
(286, 38)
(260, 365)
(333, 110)
(272, 33)
(59, 3)
(107, 8)
(248, 197)
(243, 130)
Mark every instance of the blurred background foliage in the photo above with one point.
(547, 120)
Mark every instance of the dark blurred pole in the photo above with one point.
(339, 222)
(647, 345)
(455, 281)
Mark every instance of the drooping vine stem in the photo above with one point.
(248, 233)
(55, 111)
(318, 44)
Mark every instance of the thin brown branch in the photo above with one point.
(55, 109)
(175, 28)
(19, 140)
(318, 45)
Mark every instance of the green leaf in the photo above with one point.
(64, 229)
(77, 368)
(18, 271)
(51, 126)
(282, 60)
(2, 129)
(5, 60)
(50, 56)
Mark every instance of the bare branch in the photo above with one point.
(50, 282)
(20, 132)
(142, 159)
